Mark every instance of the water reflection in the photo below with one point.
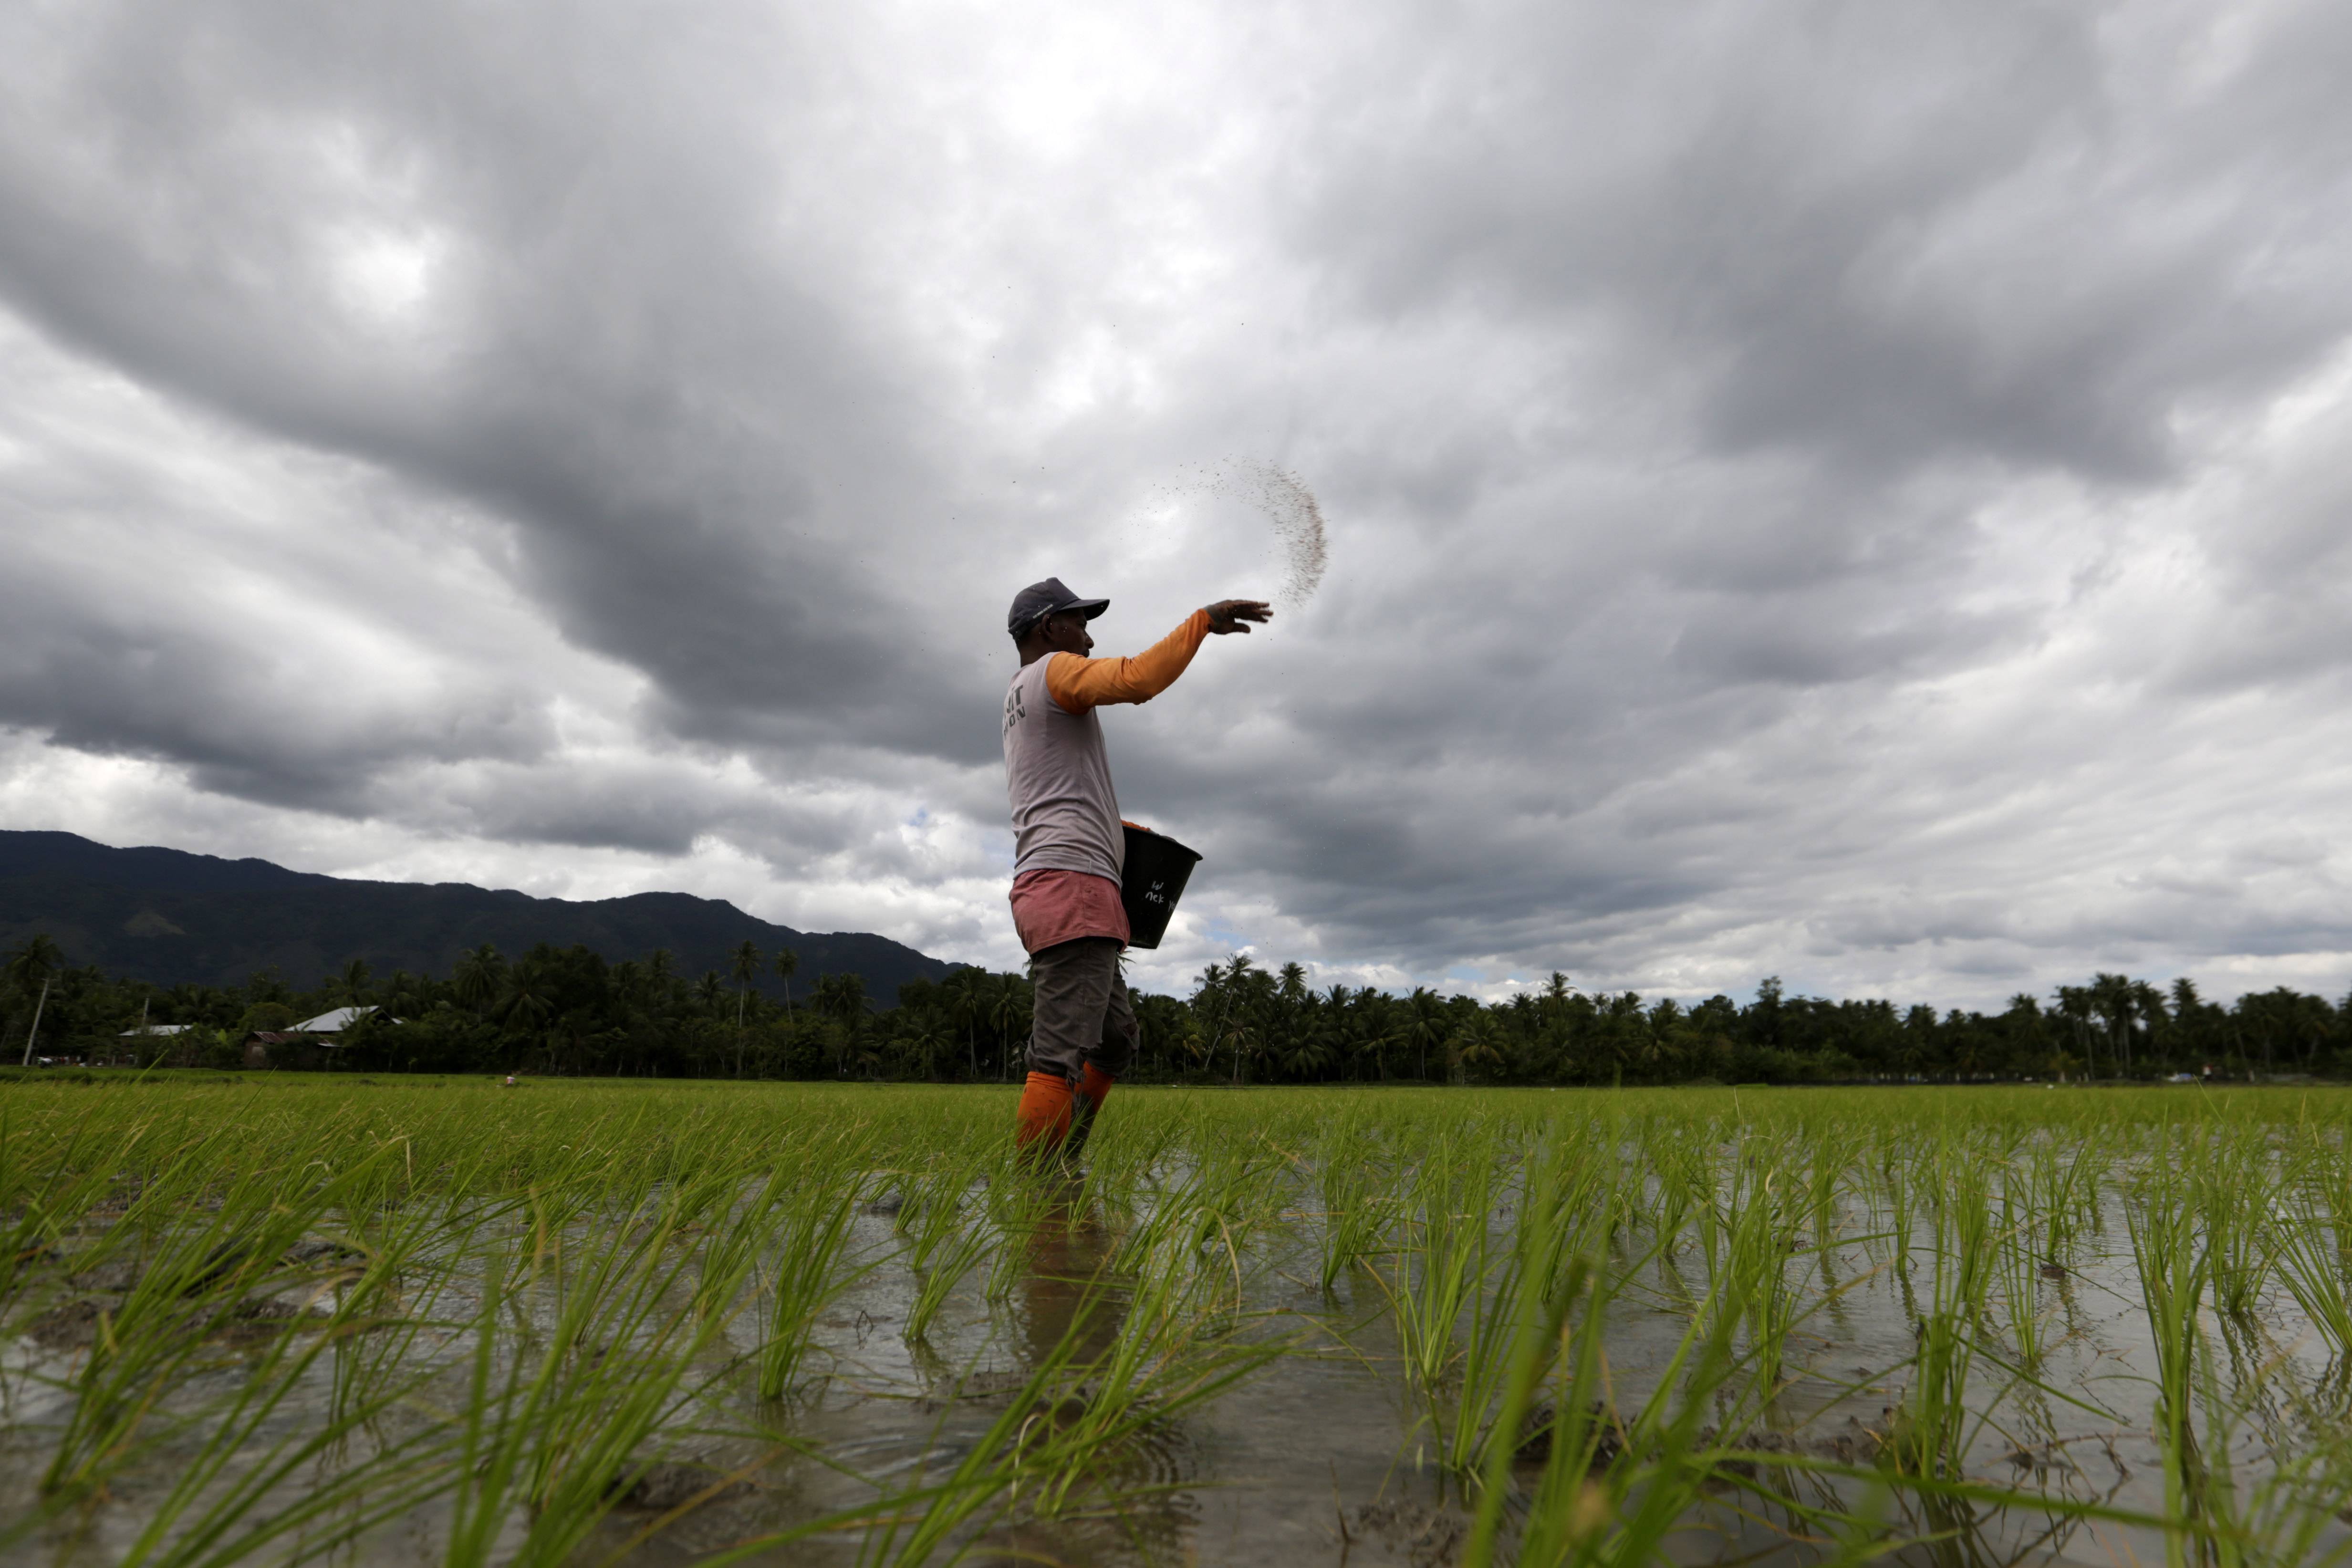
(1069, 1308)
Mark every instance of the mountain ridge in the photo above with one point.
(177, 916)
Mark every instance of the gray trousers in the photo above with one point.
(1080, 1012)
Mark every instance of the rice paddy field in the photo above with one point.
(419, 1322)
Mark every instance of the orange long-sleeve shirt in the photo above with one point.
(1076, 685)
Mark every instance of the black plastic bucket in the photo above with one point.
(1157, 869)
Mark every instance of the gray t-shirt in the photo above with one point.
(1065, 811)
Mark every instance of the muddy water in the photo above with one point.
(1324, 1456)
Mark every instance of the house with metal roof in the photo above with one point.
(333, 1023)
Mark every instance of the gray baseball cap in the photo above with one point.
(1049, 598)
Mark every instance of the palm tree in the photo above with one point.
(1338, 1017)
(37, 963)
(787, 964)
(1311, 1051)
(1211, 994)
(964, 991)
(661, 985)
(927, 1034)
(400, 994)
(747, 964)
(842, 997)
(1008, 1014)
(478, 977)
(1244, 1037)
(1226, 986)
(1387, 1031)
(353, 983)
(1427, 1027)
(2074, 1007)
(1556, 990)
(2126, 1006)
(708, 989)
(1242, 979)
(524, 1004)
(1475, 1045)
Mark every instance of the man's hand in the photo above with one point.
(1230, 615)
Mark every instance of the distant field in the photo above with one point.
(412, 1321)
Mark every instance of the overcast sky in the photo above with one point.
(1857, 491)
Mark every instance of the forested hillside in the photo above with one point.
(569, 1010)
(174, 918)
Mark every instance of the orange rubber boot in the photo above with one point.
(1094, 1086)
(1085, 1103)
(1044, 1119)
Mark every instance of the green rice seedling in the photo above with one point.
(2234, 1524)
(731, 1242)
(567, 1428)
(2291, 1517)
(1583, 1512)
(190, 1291)
(914, 1524)
(44, 1195)
(1360, 1208)
(1562, 1211)
(2017, 1274)
(1759, 1230)
(1444, 1248)
(1901, 1196)
(2059, 1175)
(243, 1453)
(2300, 1244)
(1826, 1174)
(2231, 1189)
(579, 1244)
(1173, 1215)
(2090, 1181)
(800, 1277)
(1018, 1201)
(217, 1510)
(1967, 1202)
(1173, 1351)
(1066, 1426)
(2174, 1273)
(1928, 1438)
(1212, 1213)
(2327, 1179)
(1684, 1174)
(949, 1260)
(491, 1448)
(1574, 1435)
(398, 1296)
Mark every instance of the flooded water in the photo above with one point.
(1322, 1449)
(1325, 1456)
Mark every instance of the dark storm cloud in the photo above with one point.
(172, 696)
(1811, 486)
(1888, 233)
(633, 358)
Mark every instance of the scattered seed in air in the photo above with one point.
(1282, 497)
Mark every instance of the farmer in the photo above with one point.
(1068, 847)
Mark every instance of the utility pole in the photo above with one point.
(34, 1032)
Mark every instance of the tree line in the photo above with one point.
(569, 1012)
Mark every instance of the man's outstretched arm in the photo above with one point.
(1076, 685)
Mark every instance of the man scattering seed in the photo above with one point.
(1068, 848)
